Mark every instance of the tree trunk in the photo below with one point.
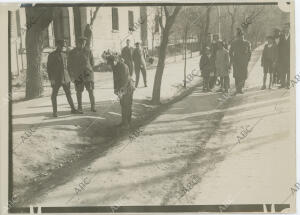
(37, 19)
(162, 54)
(34, 76)
(160, 67)
(207, 23)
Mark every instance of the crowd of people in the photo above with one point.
(216, 61)
(215, 64)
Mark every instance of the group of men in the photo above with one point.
(238, 57)
(135, 58)
(75, 66)
(276, 58)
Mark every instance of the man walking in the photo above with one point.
(80, 65)
(284, 57)
(139, 64)
(240, 53)
(59, 76)
(127, 56)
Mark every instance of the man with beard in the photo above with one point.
(240, 53)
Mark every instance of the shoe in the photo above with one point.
(93, 109)
(54, 114)
(79, 110)
(74, 111)
(146, 85)
(263, 88)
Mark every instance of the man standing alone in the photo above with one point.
(80, 65)
(139, 64)
(127, 56)
(240, 53)
(59, 76)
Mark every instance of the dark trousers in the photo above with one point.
(212, 82)
(126, 107)
(239, 84)
(224, 82)
(55, 89)
(79, 87)
(206, 82)
(138, 69)
(285, 77)
(130, 67)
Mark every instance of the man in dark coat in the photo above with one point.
(127, 56)
(80, 66)
(240, 53)
(123, 86)
(284, 57)
(214, 48)
(139, 64)
(59, 76)
(207, 67)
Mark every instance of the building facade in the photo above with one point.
(111, 27)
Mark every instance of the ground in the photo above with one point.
(205, 149)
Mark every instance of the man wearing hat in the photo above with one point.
(127, 56)
(123, 86)
(240, 53)
(139, 64)
(59, 75)
(284, 57)
(80, 65)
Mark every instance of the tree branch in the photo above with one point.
(166, 11)
(94, 16)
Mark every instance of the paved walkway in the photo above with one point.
(190, 155)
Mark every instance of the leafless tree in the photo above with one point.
(166, 30)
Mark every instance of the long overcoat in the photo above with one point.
(240, 53)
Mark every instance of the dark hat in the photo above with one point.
(82, 38)
(60, 41)
(136, 43)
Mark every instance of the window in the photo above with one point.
(115, 18)
(130, 21)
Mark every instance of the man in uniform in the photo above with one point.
(127, 56)
(59, 76)
(80, 65)
(123, 86)
(139, 64)
(240, 53)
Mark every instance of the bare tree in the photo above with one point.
(232, 12)
(37, 19)
(166, 30)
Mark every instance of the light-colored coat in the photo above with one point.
(222, 62)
